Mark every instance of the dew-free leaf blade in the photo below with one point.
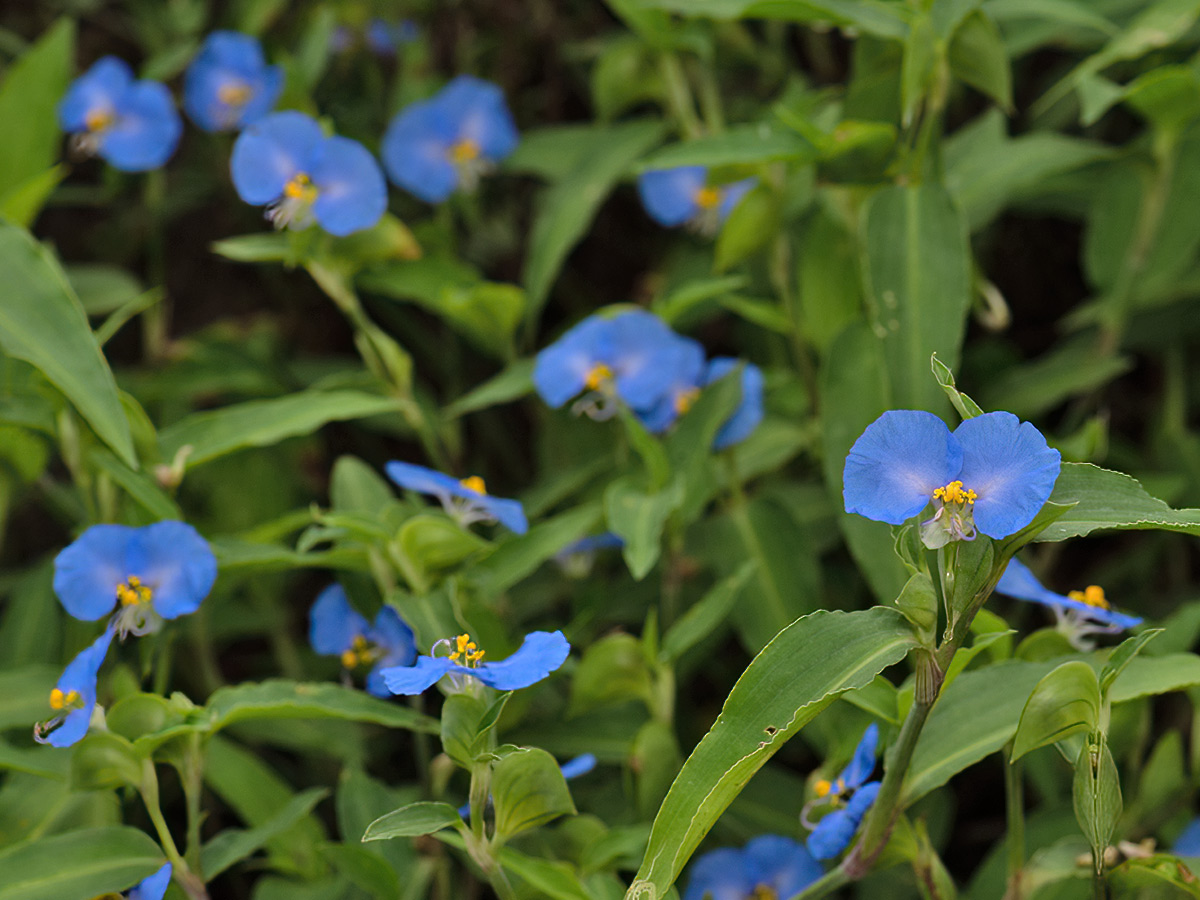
(100, 859)
(282, 699)
(1110, 500)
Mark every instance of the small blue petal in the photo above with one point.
(392, 635)
(561, 370)
(154, 887)
(419, 677)
(1007, 463)
(229, 60)
(509, 513)
(896, 464)
(782, 864)
(834, 832)
(333, 623)
(270, 152)
(682, 362)
(722, 874)
(669, 195)
(862, 764)
(97, 90)
(352, 193)
(645, 356)
(146, 129)
(540, 654)
(416, 151)
(87, 571)
(80, 677)
(732, 194)
(1188, 843)
(176, 563)
(749, 412)
(578, 766)
(1019, 582)
(480, 115)
(421, 479)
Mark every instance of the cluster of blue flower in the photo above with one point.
(634, 359)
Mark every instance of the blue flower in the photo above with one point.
(993, 474)
(749, 412)
(383, 37)
(682, 370)
(132, 124)
(154, 887)
(769, 865)
(229, 84)
(1188, 843)
(74, 697)
(540, 654)
(159, 571)
(683, 196)
(284, 161)
(466, 500)
(1079, 613)
(337, 629)
(851, 795)
(445, 143)
(632, 357)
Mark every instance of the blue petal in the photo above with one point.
(392, 635)
(87, 572)
(1007, 463)
(352, 193)
(176, 563)
(722, 874)
(228, 57)
(418, 677)
(682, 362)
(732, 194)
(561, 369)
(645, 357)
(80, 676)
(416, 151)
(509, 513)
(270, 152)
(146, 129)
(1188, 843)
(540, 654)
(578, 766)
(333, 623)
(669, 195)
(863, 762)
(749, 412)
(422, 479)
(897, 463)
(1019, 582)
(834, 832)
(154, 887)
(479, 113)
(96, 90)
(782, 864)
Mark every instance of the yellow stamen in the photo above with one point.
(132, 592)
(474, 483)
(685, 399)
(59, 700)
(707, 197)
(823, 787)
(954, 493)
(98, 119)
(764, 892)
(597, 376)
(300, 188)
(464, 151)
(1092, 595)
(235, 93)
(466, 652)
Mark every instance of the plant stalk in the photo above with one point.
(1014, 802)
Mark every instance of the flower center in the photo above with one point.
(235, 93)
(294, 206)
(99, 119)
(300, 188)
(464, 151)
(685, 399)
(362, 652)
(474, 483)
(133, 593)
(466, 653)
(1092, 595)
(597, 376)
(69, 700)
(764, 892)
(824, 787)
(954, 493)
(707, 197)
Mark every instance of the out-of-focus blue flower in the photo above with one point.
(337, 629)
(466, 500)
(132, 124)
(446, 143)
(749, 412)
(683, 196)
(540, 654)
(229, 84)
(576, 559)
(851, 795)
(682, 362)
(154, 887)
(993, 474)
(74, 697)
(1188, 843)
(383, 37)
(155, 572)
(768, 866)
(1079, 613)
(284, 161)
(632, 357)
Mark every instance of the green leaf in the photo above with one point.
(1070, 369)
(78, 865)
(1097, 795)
(918, 602)
(566, 210)
(42, 322)
(235, 844)
(978, 57)
(519, 557)
(1147, 676)
(966, 407)
(869, 16)
(467, 722)
(1110, 500)
(741, 145)
(22, 203)
(137, 484)
(365, 868)
(555, 879)
(528, 789)
(613, 670)
(431, 544)
(234, 555)
(783, 689)
(1123, 656)
(829, 280)
(702, 619)
(267, 246)
(24, 693)
(752, 223)
(1065, 702)
(513, 383)
(638, 517)
(103, 760)
(281, 699)
(263, 423)
(32, 86)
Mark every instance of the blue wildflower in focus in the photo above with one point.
(229, 84)
(850, 795)
(632, 357)
(682, 196)
(993, 474)
(1188, 843)
(156, 572)
(446, 143)
(1079, 614)
(540, 654)
(466, 500)
(285, 162)
(154, 887)
(133, 125)
(749, 412)
(337, 629)
(74, 696)
(769, 866)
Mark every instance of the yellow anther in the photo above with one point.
(235, 93)
(954, 493)
(98, 119)
(360, 653)
(465, 651)
(474, 483)
(597, 376)
(132, 592)
(685, 399)
(1092, 595)
(300, 187)
(823, 787)
(59, 700)
(707, 197)
(764, 892)
(464, 151)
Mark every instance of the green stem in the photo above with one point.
(192, 776)
(1014, 802)
(825, 885)
(710, 99)
(155, 323)
(192, 884)
(782, 274)
(679, 95)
